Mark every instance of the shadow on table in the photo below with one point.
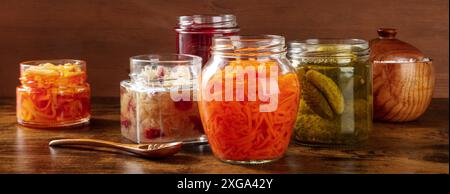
(95, 124)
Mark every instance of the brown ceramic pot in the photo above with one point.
(403, 78)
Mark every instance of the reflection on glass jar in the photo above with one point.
(195, 33)
(158, 102)
(336, 103)
(249, 98)
(53, 93)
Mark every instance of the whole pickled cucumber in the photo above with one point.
(329, 89)
(301, 73)
(315, 100)
(314, 127)
(333, 73)
(303, 108)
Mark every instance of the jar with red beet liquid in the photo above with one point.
(195, 33)
(158, 104)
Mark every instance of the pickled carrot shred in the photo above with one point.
(53, 93)
(237, 130)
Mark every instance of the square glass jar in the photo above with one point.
(158, 103)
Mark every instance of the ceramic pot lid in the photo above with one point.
(387, 48)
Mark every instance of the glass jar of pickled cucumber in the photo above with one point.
(336, 91)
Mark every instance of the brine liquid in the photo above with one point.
(319, 121)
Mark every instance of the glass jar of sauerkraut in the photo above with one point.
(158, 103)
(336, 87)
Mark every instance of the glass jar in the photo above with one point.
(53, 93)
(195, 33)
(158, 104)
(249, 98)
(336, 87)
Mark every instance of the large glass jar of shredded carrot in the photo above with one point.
(195, 33)
(53, 93)
(249, 97)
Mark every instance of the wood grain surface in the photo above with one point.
(402, 91)
(107, 32)
(414, 147)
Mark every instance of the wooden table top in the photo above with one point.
(415, 147)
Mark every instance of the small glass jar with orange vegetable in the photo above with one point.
(249, 98)
(53, 93)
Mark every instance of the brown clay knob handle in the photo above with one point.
(387, 33)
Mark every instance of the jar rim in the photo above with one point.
(335, 41)
(248, 45)
(164, 58)
(207, 21)
(332, 47)
(30, 63)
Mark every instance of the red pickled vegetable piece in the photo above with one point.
(125, 123)
(153, 133)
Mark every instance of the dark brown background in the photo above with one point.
(107, 32)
